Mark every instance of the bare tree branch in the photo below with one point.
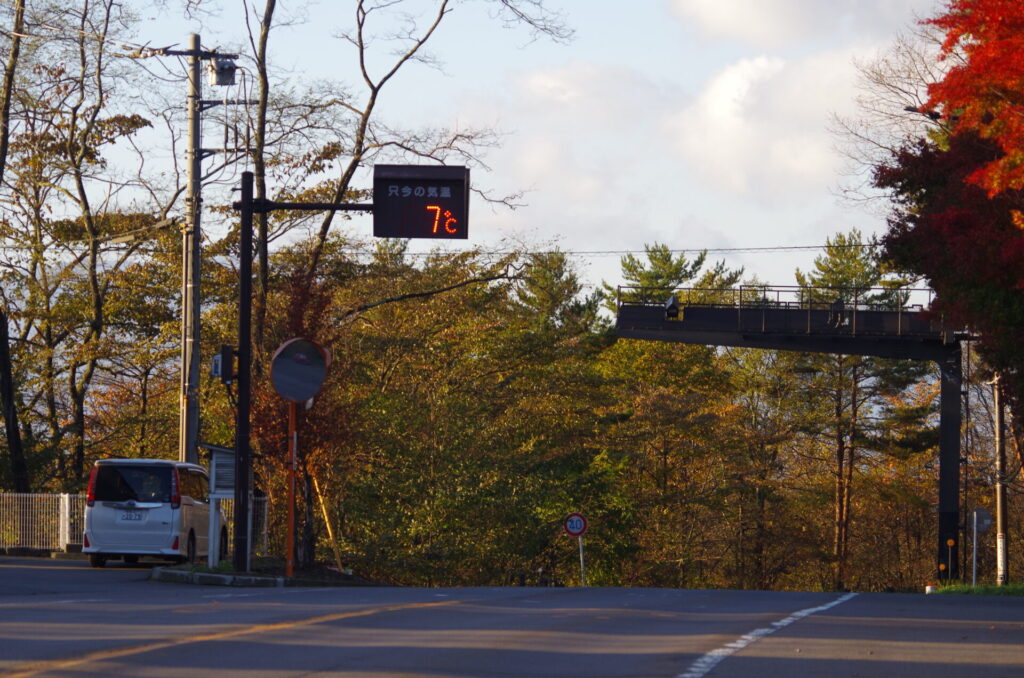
(350, 314)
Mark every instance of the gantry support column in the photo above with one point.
(949, 465)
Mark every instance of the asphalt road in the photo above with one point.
(61, 618)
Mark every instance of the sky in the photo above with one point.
(696, 124)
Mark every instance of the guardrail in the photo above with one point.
(55, 522)
(783, 297)
(772, 309)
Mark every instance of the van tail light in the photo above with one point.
(90, 493)
(174, 544)
(85, 540)
(175, 493)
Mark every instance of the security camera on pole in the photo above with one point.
(221, 68)
(192, 239)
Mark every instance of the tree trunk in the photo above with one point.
(851, 458)
(259, 171)
(143, 415)
(19, 467)
(78, 431)
(761, 539)
(839, 524)
(7, 94)
(308, 533)
(839, 491)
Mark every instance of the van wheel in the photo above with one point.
(97, 560)
(223, 545)
(190, 550)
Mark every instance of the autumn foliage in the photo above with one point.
(965, 242)
(986, 91)
(959, 195)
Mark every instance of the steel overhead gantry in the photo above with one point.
(820, 320)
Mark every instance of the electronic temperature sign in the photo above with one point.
(420, 201)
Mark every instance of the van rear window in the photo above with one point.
(138, 483)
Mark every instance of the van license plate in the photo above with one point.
(131, 516)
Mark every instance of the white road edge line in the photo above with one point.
(704, 664)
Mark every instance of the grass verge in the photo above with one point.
(1008, 590)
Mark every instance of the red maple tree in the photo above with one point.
(959, 201)
(985, 92)
(965, 241)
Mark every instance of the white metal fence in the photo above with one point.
(41, 521)
(55, 522)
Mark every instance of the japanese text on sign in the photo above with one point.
(397, 191)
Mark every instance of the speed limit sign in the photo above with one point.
(575, 524)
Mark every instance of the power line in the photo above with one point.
(724, 250)
(579, 253)
(687, 250)
(111, 43)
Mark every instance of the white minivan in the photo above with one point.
(147, 507)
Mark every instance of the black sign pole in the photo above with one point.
(417, 179)
(242, 457)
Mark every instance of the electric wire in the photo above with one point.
(576, 253)
(686, 250)
(133, 50)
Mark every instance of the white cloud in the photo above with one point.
(588, 94)
(587, 138)
(764, 24)
(759, 127)
(718, 132)
(777, 23)
(585, 127)
(619, 156)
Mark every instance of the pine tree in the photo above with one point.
(843, 394)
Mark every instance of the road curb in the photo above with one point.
(213, 579)
(73, 553)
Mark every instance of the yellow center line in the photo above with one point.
(35, 566)
(56, 664)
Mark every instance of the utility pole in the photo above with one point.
(191, 248)
(243, 461)
(191, 236)
(222, 72)
(1000, 440)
